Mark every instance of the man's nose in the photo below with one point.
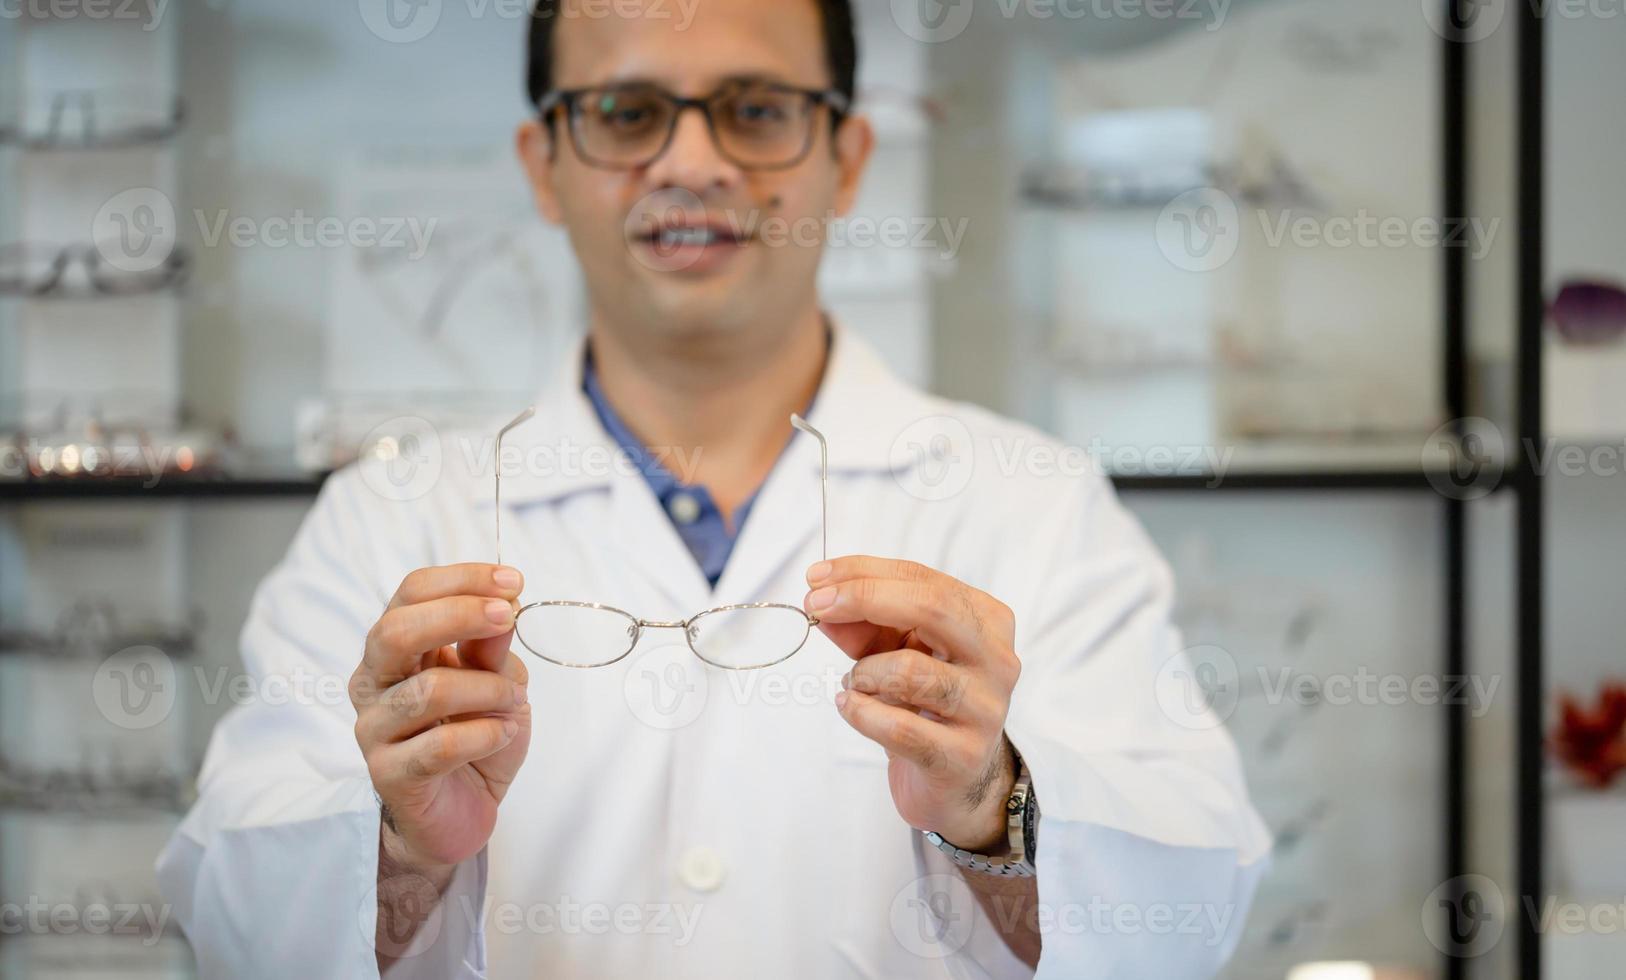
(692, 160)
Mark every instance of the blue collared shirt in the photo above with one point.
(690, 506)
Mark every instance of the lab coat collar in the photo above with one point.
(862, 408)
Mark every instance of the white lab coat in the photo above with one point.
(673, 820)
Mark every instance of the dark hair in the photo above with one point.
(840, 46)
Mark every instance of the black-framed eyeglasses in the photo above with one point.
(37, 271)
(756, 125)
(87, 119)
(740, 636)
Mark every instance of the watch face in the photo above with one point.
(1030, 827)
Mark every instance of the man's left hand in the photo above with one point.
(932, 685)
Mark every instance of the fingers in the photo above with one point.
(913, 679)
(901, 732)
(470, 578)
(438, 751)
(420, 701)
(953, 619)
(396, 642)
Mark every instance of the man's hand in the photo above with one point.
(441, 715)
(936, 666)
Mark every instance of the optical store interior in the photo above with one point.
(1333, 291)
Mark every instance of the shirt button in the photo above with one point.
(683, 508)
(701, 868)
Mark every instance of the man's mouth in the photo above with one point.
(698, 247)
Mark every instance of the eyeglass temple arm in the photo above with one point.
(496, 494)
(824, 483)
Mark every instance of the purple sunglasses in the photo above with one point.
(1588, 312)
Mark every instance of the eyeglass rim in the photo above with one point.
(567, 99)
(640, 625)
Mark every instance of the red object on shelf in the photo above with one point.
(1591, 741)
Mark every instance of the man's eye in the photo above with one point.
(759, 112)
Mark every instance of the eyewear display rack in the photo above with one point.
(1521, 478)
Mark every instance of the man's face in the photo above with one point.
(758, 261)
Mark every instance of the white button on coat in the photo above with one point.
(701, 869)
(273, 872)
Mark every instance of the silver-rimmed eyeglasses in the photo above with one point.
(742, 636)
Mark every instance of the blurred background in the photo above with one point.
(1331, 288)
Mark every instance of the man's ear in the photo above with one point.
(854, 142)
(534, 143)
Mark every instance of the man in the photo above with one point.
(990, 661)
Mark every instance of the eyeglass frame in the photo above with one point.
(91, 136)
(568, 99)
(640, 624)
(171, 272)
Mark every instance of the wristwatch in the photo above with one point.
(1022, 827)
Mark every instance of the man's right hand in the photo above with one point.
(442, 716)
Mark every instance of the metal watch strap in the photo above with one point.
(1021, 812)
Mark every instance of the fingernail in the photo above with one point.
(822, 599)
(499, 612)
(841, 700)
(847, 680)
(509, 727)
(520, 694)
(818, 572)
(506, 578)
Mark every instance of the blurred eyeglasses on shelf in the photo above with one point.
(86, 272)
(741, 636)
(1588, 313)
(105, 439)
(101, 789)
(756, 125)
(92, 629)
(88, 119)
